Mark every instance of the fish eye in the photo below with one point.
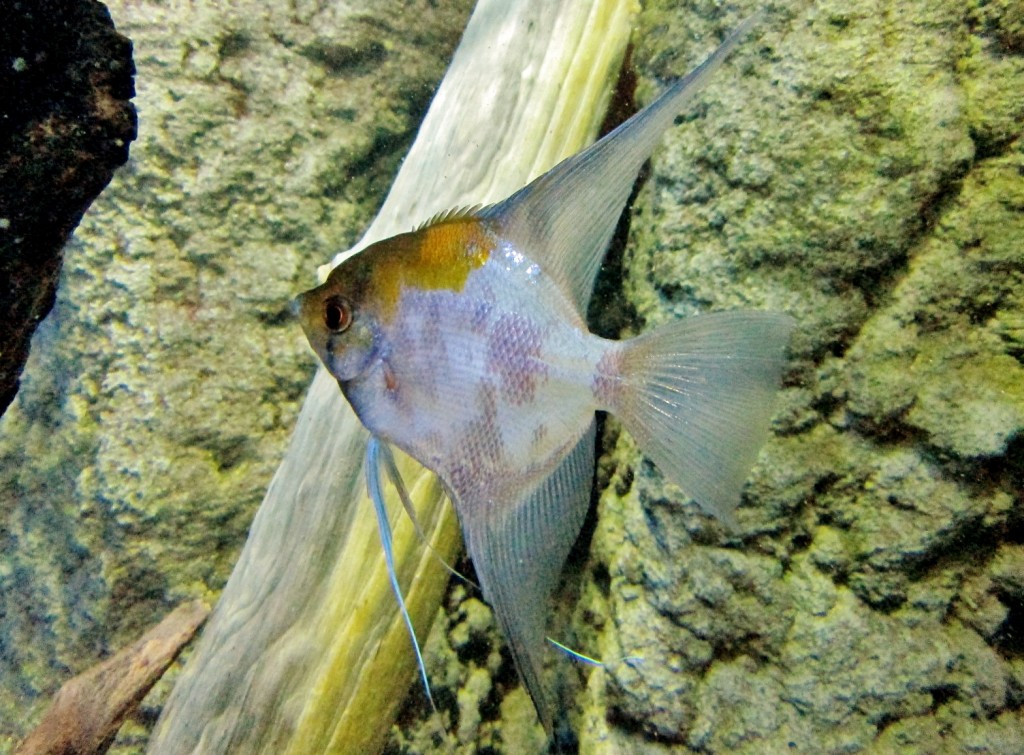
(337, 314)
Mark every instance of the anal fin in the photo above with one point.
(518, 549)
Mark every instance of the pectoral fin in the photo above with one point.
(519, 547)
(375, 449)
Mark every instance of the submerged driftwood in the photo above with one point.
(88, 709)
(306, 651)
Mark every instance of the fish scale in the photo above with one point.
(495, 370)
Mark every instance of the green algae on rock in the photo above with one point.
(865, 176)
(161, 391)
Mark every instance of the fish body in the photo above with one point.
(463, 344)
(486, 377)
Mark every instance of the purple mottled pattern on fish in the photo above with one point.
(514, 355)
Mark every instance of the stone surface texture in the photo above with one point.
(161, 390)
(66, 121)
(862, 169)
(857, 165)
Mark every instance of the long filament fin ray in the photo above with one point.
(373, 487)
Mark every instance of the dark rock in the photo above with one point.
(66, 80)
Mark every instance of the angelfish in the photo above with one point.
(463, 343)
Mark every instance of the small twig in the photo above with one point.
(88, 710)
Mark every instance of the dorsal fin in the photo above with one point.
(564, 219)
(455, 213)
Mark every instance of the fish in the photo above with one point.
(463, 343)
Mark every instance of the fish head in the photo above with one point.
(345, 319)
(340, 322)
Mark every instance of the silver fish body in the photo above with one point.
(487, 386)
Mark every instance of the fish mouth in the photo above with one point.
(306, 308)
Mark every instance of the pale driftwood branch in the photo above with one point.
(306, 651)
(88, 710)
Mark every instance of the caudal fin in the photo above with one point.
(697, 396)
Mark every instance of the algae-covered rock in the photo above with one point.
(474, 685)
(67, 120)
(163, 387)
(861, 169)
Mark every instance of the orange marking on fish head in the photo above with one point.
(440, 256)
(340, 316)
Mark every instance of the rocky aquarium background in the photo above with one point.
(860, 165)
(162, 389)
(867, 175)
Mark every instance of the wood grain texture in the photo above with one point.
(88, 709)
